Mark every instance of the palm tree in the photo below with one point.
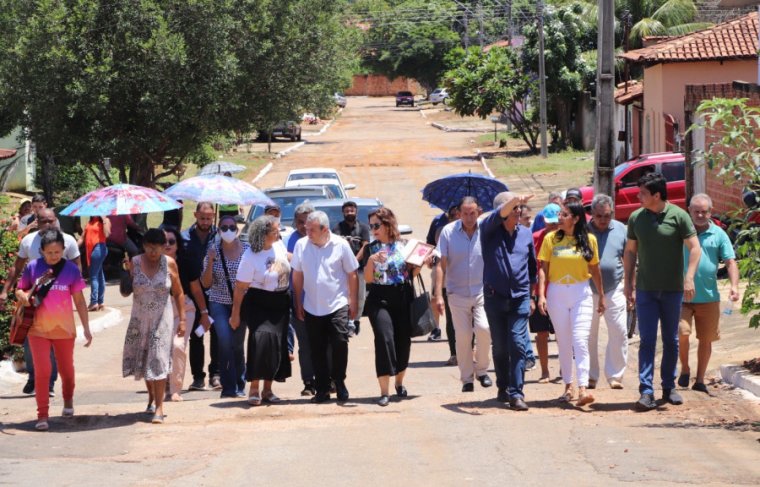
(662, 18)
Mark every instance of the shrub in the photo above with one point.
(8, 249)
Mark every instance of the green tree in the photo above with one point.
(737, 123)
(569, 33)
(661, 18)
(148, 84)
(411, 39)
(490, 82)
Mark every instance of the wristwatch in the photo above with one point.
(204, 311)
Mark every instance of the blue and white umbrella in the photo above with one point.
(218, 189)
(221, 167)
(449, 191)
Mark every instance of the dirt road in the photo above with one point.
(438, 436)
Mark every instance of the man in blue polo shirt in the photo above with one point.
(509, 271)
(703, 310)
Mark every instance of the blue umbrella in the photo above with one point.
(221, 167)
(449, 191)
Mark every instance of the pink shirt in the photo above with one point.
(54, 319)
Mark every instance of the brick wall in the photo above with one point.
(726, 197)
(378, 85)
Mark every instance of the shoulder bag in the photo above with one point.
(421, 316)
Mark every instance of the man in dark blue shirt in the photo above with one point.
(509, 271)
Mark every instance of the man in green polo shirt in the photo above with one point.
(657, 234)
(704, 309)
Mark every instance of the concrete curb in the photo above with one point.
(740, 377)
(10, 379)
(484, 163)
(323, 129)
(262, 173)
(290, 149)
(451, 129)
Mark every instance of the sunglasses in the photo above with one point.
(171, 241)
(375, 226)
(228, 228)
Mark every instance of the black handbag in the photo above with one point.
(421, 316)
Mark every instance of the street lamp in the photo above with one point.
(495, 119)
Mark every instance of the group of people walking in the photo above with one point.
(499, 279)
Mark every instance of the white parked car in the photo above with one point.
(439, 95)
(333, 186)
(313, 173)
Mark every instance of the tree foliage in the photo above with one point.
(569, 32)
(411, 39)
(148, 83)
(738, 125)
(490, 82)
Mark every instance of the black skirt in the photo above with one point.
(267, 314)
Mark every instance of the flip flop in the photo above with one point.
(157, 419)
(254, 399)
(151, 409)
(271, 398)
(585, 399)
(566, 397)
(543, 380)
(700, 387)
(683, 380)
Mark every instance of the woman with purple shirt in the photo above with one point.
(54, 324)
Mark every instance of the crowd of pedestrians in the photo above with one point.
(497, 278)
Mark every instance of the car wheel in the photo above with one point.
(412, 104)
(292, 138)
(299, 137)
(435, 103)
(396, 105)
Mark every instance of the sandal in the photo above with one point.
(151, 409)
(42, 425)
(157, 419)
(585, 399)
(67, 412)
(271, 398)
(254, 399)
(566, 397)
(544, 380)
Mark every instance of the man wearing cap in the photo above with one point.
(540, 323)
(538, 222)
(574, 195)
(356, 234)
(611, 238)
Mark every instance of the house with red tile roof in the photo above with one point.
(720, 54)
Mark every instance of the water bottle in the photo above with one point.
(728, 309)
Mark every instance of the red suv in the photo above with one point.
(669, 164)
(404, 98)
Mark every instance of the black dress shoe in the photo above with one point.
(485, 381)
(320, 397)
(645, 403)
(468, 387)
(518, 404)
(501, 396)
(383, 401)
(341, 391)
(401, 391)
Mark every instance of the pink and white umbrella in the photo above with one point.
(121, 199)
(218, 189)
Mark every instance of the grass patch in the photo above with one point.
(573, 164)
(487, 138)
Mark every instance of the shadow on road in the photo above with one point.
(80, 423)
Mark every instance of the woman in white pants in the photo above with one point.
(569, 256)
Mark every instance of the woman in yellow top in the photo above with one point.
(569, 256)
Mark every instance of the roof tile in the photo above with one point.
(734, 39)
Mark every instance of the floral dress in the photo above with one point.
(148, 344)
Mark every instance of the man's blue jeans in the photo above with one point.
(508, 320)
(231, 344)
(653, 307)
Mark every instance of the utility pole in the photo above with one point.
(627, 21)
(604, 157)
(542, 79)
(481, 34)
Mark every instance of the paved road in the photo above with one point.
(438, 436)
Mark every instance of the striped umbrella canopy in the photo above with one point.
(218, 189)
(121, 199)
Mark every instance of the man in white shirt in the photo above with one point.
(29, 249)
(325, 289)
